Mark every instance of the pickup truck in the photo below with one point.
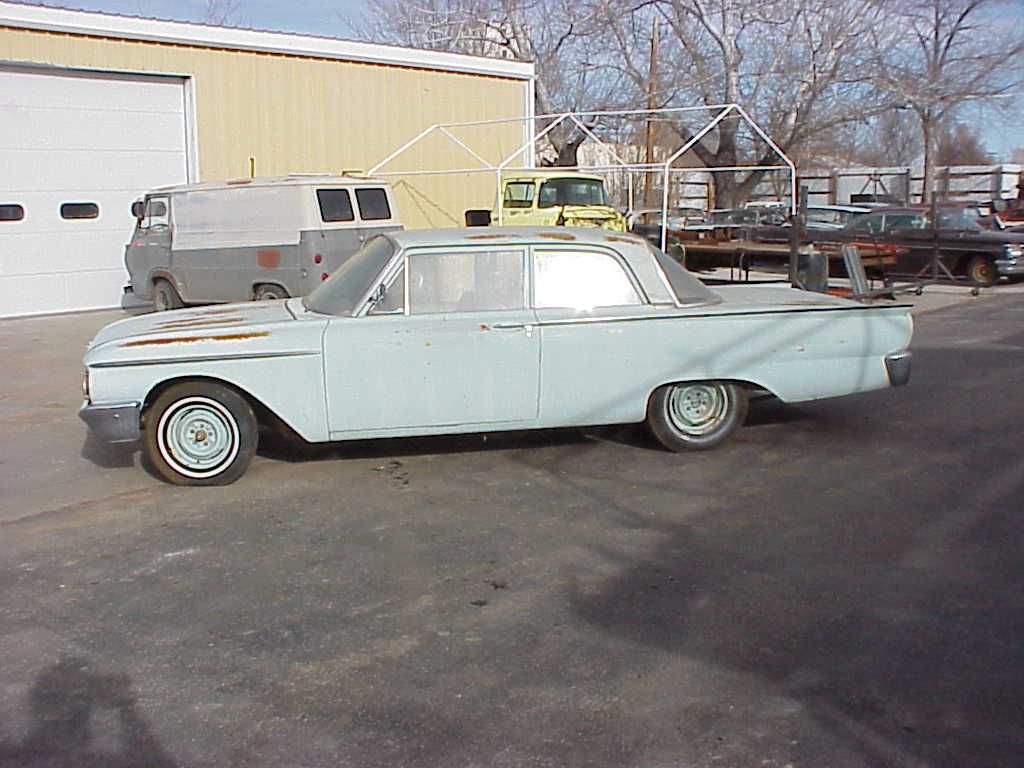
(550, 197)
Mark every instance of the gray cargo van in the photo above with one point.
(251, 238)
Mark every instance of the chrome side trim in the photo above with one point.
(749, 313)
(202, 359)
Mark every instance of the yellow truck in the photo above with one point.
(551, 197)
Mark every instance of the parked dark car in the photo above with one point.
(909, 241)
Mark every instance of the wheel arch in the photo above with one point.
(752, 387)
(265, 416)
(257, 284)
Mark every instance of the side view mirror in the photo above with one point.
(138, 209)
(478, 218)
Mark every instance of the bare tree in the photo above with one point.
(223, 13)
(797, 67)
(944, 54)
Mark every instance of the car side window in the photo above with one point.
(867, 225)
(518, 194)
(904, 220)
(581, 280)
(466, 281)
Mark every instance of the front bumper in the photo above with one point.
(116, 423)
(897, 365)
(1010, 266)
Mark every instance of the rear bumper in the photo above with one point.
(897, 365)
(115, 423)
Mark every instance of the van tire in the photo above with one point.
(269, 292)
(165, 297)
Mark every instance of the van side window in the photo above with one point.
(373, 204)
(335, 205)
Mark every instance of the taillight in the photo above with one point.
(85, 384)
(317, 259)
(323, 275)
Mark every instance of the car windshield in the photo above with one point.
(341, 292)
(687, 288)
(571, 192)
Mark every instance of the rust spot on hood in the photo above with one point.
(488, 236)
(557, 235)
(194, 339)
(621, 239)
(199, 321)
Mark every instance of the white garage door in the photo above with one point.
(75, 150)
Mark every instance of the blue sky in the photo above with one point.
(336, 18)
(316, 17)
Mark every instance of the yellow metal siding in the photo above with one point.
(300, 114)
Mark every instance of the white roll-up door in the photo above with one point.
(75, 150)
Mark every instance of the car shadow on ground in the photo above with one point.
(885, 605)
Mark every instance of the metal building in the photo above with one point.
(96, 108)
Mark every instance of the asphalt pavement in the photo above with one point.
(839, 585)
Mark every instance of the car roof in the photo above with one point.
(513, 235)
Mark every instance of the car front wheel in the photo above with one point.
(200, 433)
(696, 415)
(981, 270)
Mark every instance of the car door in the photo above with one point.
(596, 345)
(451, 345)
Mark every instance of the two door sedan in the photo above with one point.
(436, 332)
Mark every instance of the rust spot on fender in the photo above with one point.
(484, 327)
(194, 339)
(557, 235)
(268, 258)
(493, 236)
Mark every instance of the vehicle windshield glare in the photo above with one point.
(341, 292)
(571, 192)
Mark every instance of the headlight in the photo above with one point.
(85, 384)
(1012, 250)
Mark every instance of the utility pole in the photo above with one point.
(652, 103)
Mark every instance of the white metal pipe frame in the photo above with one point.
(717, 113)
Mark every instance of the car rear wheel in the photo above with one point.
(270, 292)
(981, 270)
(200, 433)
(165, 297)
(696, 415)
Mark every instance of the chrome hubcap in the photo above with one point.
(197, 436)
(697, 409)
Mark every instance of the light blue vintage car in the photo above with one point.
(452, 331)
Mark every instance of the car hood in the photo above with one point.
(169, 334)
